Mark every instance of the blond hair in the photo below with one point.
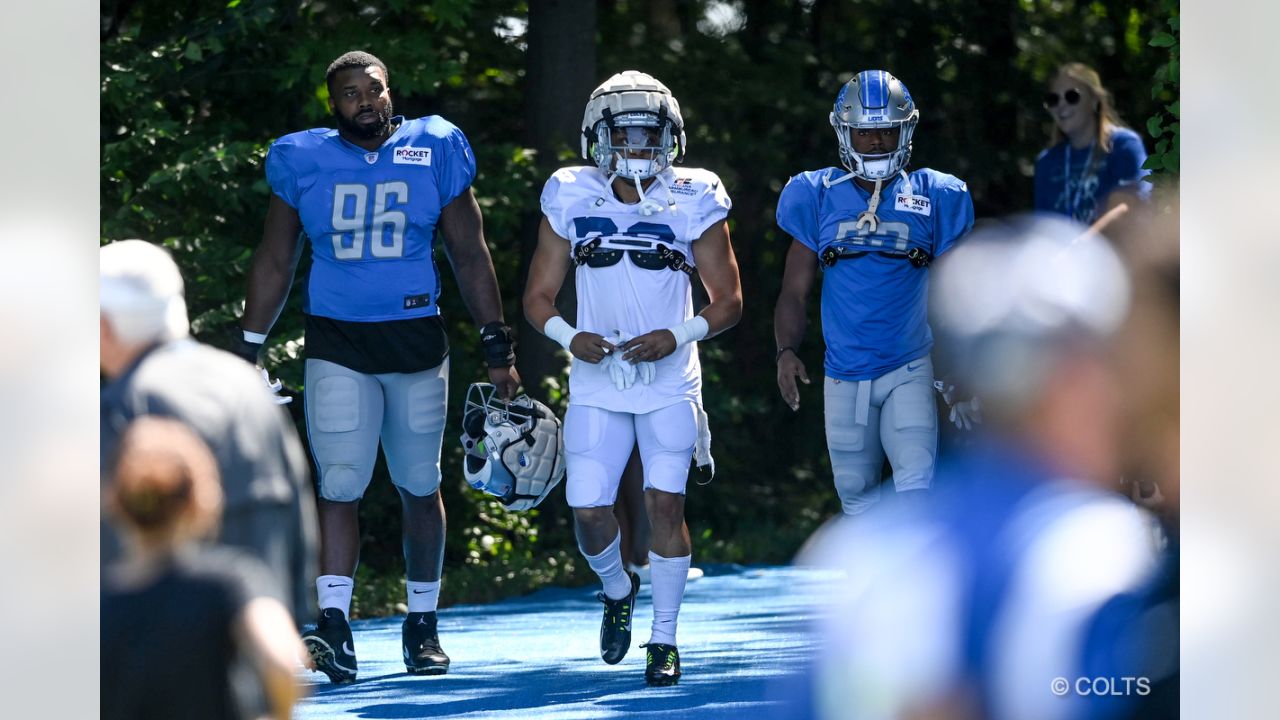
(1105, 115)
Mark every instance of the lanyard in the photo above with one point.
(1074, 197)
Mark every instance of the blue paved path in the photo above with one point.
(538, 656)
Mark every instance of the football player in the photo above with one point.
(370, 196)
(636, 231)
(873, 229)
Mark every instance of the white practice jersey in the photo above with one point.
(624, 296)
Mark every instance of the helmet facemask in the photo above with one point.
(874, 99)
(635, 146)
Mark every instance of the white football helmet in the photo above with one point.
(514, 451)
(874, 99)
(632, 114)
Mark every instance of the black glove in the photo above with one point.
(499, 347)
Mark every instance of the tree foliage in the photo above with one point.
(193, 94)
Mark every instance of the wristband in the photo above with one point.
(690, 330)
(781, 350)
(253, 337)
(499, 348)
(560, 331)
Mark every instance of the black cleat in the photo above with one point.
(615, 628)
(330, 646)
(662, 665)
(422, 652)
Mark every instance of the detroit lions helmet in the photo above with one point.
(632, 114)
(514, 451)
(874, 99)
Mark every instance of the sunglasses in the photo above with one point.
(1072, 97)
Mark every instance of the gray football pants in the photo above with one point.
(866, 420)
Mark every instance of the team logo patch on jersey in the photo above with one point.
(918, 204)
(408, 155)
(683, 186)
(371, 157)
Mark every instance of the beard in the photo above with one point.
(366, 132)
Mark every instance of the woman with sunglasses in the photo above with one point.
(1091, 154)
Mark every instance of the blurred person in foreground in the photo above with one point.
(185, 624)
(1136, 634)
(152, 367)
(977, 603)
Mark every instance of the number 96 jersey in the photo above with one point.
(633, 272)
(371, 216)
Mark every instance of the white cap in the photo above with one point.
(140, 292)
(1014, 294)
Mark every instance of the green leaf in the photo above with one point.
(1163, 39)
(193, 52)
(1174, 108)
(232, 4)
(1153, 127)
(1171, 162)
(1162, 147)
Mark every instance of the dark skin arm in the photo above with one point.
(463, 231)
(789, 318)
(546, 274)
(718, 268)
(273, 266)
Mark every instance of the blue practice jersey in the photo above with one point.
(875, 307)
(371, 216)
(1069, 183)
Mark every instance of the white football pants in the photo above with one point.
(597, 443)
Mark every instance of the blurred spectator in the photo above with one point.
(1093, 162)
(185, 624)
(976, 604)
(1136, 634)
(153, 368)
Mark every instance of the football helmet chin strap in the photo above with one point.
(868, 216)
(648, 206)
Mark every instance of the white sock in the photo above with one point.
(667, 577)
(423, 596)
(334, 591)
(608, 565)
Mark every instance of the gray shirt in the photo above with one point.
(268, 503)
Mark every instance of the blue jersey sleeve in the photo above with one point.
(456, 168)
(798, 209)
(1126, 159)
(281, 176)
(955, 213)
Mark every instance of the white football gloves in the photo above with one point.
(965, 414)
(274, 386)
(623, 373)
